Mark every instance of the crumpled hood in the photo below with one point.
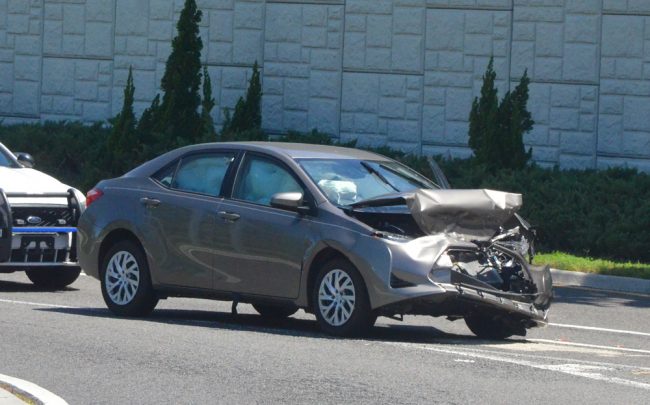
(29, 181)
(466, 214)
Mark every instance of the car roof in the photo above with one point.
(304, 151)
(284, 149)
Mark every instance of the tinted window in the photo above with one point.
(260, 179)
(202, 174)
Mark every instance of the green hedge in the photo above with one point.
(604, 214)
(71, 152)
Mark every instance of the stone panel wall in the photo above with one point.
(302, 67)
(624, 119)
(459, 44)
(384, 72)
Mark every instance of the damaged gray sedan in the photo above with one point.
(345, 234)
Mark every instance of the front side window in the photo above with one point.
(203, 174)
(347, 181)
(261, 178)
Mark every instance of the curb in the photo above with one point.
(30, 390)
(9, 398)
(601, 282)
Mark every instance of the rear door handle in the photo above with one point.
(229, 216)
(149, 202)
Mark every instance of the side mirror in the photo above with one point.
(25, 159)
(290, 202)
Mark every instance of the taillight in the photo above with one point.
(93, 195)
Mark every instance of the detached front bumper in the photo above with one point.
(460, 295)
(487, 302)
(484, 297)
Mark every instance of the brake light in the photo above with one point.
(93, 195)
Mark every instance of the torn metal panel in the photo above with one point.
(466, 214)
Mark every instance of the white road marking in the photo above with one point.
(578, 370)
(622, 349)
(528, 355)
(37, 304)
(594, 328)
(528, 347)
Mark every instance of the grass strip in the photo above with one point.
(565, 261)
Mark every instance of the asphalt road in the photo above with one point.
(597, 350)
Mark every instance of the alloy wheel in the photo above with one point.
(336, 297)
(122, 278)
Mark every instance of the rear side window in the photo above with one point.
(203, 174)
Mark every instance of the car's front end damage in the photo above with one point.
(460, 254)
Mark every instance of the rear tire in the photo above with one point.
(126, 281)
(340, 300)
(54, 278)
(487, 327)
(275, 312)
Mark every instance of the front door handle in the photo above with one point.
(149, 202)
(229, 216)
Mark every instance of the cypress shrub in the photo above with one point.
(176, 120)
(496, 130)
(207, 104)
(483, 120)
(246, 121)
(124, 147)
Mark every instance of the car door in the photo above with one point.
(181, 217)
(261, 247)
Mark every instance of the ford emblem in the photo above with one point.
(34, 220)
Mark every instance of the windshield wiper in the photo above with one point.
(380, 176)
(409, 178)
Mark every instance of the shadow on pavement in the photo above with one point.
(599, 298)
(14, 287)
(289, 327)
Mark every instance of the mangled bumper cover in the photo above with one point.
(474, 295)
(467, 221)
(458, 299)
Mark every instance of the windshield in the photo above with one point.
(5, 159)
(347, 181)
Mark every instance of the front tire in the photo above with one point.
(126, 281)
(54, 278)
(487, 327)
(340, 300)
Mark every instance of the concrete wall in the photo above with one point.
(399, 72)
